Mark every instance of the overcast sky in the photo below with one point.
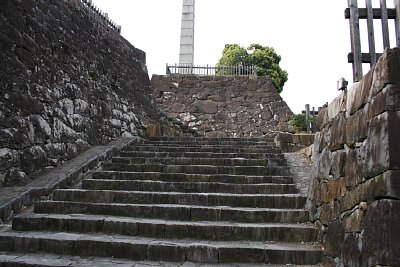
(312, 37)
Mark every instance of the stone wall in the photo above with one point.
(67, 82)
(223, 105)
(355, 190)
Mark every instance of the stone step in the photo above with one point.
(184, 177)
(210, 139)
(211, 144)
(8, 259)
(188, 187)
(279, 201)
(199, 169)
(206, 230)
(176, 212)
(154, 249)
(209, 149)
(184, 154)
(200, 161)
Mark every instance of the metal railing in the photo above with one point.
(100, 14)
(208, 70)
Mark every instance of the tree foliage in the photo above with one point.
(299, 122)
(263, 57)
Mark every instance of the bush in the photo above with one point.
(299, 123)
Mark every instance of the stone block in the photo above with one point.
(338, 132)
(164, 251)
(329, 212)
(129, 250)
(8, 158)
(320, 141)
(352, 221)
(283, 137)
(356, 128)
(351, 106)
(322, 165)
(386, 185)
(386, 100)
(381, 235)
(201, 253)
(177, 108)
(338, 164)
(351, 250)
(383, 148)
(334, 238)
(322, 118)
(207, 106)
(387, 71)
(355, 170)
(15, 177)
(337, 106)
(351, 199)
(335, 190)
(5, 211)
(232, 255)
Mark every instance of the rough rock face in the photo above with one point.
(223, 105)
(355, 191)
(66, 82)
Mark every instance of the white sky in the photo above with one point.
(312, 37)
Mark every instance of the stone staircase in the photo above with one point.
(206, 201)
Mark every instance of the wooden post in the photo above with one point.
(397, 6)
(355, 40)
(371, 35)
(385, 26)
(308, 117)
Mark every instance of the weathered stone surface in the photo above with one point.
(386, 71)
(355, 170)
(322, 118)
(386, 100)
(363, 172)
(322, 167)
(381, 233)
(383, 148)
(15, 177)
(352, 222)
(338, 132)
(338, 164)
(223, 105)
(356, 128)
(334, 238)
(337, 106)
(351, 249)
(64, 86)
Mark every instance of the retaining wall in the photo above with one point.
(234, 106)
(355, 192)
(67, 82)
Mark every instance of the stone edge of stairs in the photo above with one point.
(60, 177)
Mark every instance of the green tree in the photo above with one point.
(299, 122)
(263, 57)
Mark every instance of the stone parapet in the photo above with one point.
(355, 191)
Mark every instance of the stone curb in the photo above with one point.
(13, 199)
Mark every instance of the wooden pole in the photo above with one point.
(385, 25)
(308, 117)
(397, 6)
(371, 35)
(355, 40)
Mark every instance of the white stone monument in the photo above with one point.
(186, 53)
